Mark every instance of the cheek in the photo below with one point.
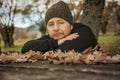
(66, 31)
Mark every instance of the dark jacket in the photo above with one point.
(86, 39)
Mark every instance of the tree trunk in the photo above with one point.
(7, 36)
(0, 44)
(42, 28)
(92, 15)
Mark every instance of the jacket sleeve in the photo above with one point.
(86, 39)
(41, 45)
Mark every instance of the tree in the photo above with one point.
(42, 28)
(0, 44)
(111, 16)
(7, 14)
(8, 11)
(36, 4)
(92, 15)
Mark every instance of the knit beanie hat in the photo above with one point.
(60, 10)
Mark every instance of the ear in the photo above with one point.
(71, 27)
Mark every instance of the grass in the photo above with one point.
(18, 45)
(109, 43)
(108, 38)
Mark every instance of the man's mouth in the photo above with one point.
(57, 35)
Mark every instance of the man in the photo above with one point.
(62, 32)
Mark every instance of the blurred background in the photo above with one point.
(23, 20)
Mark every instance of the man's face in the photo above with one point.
(58, 28)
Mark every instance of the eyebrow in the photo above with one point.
(57, 20)
(50, 21)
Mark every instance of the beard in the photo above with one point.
(58, 36)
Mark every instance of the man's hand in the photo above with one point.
(70, 37)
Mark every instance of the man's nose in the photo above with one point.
(56, 27)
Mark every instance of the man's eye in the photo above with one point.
(61, 22)
(50, 24)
